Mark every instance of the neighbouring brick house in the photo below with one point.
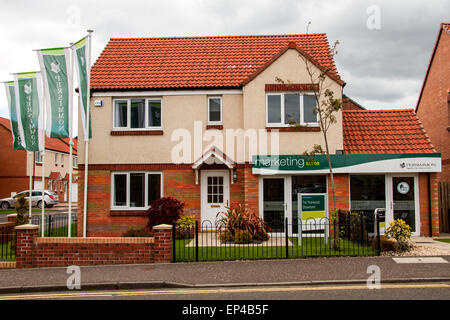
(17, 166)
(433, 106)
(433, 110)
(174, 111)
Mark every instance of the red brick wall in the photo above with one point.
(424, 204)
(342, 187)
(433, 109)
(57, 252)
(12, 166)
(251, 187)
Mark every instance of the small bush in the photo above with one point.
(164, 211)
(226, 237)
(400, 231)
(185, 227)
(243, 236)
(137, 233)
(22, 207)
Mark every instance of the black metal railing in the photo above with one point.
(56, 225)
(348, 236)
(8, 246)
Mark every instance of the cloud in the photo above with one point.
(382, 68)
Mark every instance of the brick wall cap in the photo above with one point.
(163, 227)
(27, 227)
(12, 215)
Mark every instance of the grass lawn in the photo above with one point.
(311, 247)
(62, 231)
(446, 240)
(6, 252)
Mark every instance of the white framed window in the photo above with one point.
(62, 158)
(133, 190)
(287, 108)
(74, 161)
(214, 110)
(39, 157)
(56, 158)
(137, 114)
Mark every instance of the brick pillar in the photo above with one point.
(12, 218)
(26, 234)
(162, 248)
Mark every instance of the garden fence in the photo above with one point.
(358, 235)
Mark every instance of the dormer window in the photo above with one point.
(287, 109)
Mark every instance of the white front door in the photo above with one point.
(403, 200)
(215, 193)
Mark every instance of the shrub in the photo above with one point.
(243, 236)
(137, 233)
(400, 231)
(164, 211)
(238, 219)
(22, 207)
(226, 237)
(386, 244)
(185, 227)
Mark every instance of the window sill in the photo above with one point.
(128, 213)
(294, 129)
(137, 132)
(214, 126)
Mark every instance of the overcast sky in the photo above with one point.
(383, 54)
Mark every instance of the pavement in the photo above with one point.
(312, 271)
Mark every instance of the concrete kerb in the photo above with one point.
(165, 284)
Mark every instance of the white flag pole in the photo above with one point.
(87, 133)
(30, 191)
(70, 79)
(43, 187)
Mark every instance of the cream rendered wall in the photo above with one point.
(179, 112)
(245, 111)
(289, 67)
(50, 165)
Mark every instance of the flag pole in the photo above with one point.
(87, 133)
(69, 228)
(30, 191)
(43, 185)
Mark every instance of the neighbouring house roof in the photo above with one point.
(53, 144)
(384, 131)
(444, 27)
(54, 176)
(199, 62)
(350, 104)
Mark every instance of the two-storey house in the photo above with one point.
(206, 120)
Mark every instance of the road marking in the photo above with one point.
(211, 291)
(421, 260)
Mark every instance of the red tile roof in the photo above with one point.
(198, 62)
(445, 26)
(384, 131)
(50, 143)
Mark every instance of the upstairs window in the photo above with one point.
(39, 156)
(286, 109)
(136, 114)
(214, 110)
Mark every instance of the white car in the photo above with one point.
(50, 199)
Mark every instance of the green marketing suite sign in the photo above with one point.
(313, 206)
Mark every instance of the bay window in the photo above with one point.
(133, 114)
(285, 109)
(135, 190)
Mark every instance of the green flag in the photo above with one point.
(56, 78)
(28, 97)
(82, 60)
(10, 95)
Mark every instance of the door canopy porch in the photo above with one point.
(213, 156)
